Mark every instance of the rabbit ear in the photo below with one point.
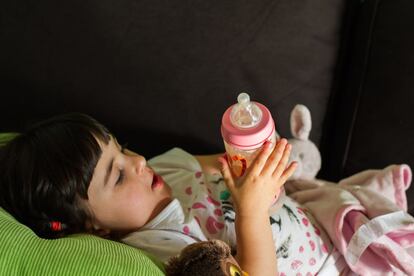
(300, 122)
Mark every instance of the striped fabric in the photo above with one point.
(23, 253)
(5, 137)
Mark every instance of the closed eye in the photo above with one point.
(120, 177)
(121, 172)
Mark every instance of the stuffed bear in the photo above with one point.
(211, 257)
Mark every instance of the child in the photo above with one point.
(69, 175)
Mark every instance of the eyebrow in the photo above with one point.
(108, 171)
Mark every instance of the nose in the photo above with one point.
(140, 163)
(137, 162)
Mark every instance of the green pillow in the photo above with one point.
(22, 252)
(5, 137)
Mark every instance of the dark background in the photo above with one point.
(160, 74)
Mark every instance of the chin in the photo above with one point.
(168, 190)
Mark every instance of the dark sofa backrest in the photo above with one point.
(160, 74)
(374, 102)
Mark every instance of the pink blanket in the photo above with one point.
(365, 216)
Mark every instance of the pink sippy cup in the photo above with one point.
(245, 127)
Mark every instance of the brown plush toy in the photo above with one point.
(212, 258)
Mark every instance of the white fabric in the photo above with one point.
(374, 230)
(164, 236)
(201, 211)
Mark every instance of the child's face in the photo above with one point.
(124, 192)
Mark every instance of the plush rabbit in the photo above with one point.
(304, 151)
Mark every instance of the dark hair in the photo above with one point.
(45, 171)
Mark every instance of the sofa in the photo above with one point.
(160, 74)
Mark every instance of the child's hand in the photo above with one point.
(254, 193)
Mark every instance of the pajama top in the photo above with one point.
(202, 209)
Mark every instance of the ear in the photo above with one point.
(300, 122)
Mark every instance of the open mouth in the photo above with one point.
(156, 181)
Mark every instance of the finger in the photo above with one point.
(280, 167)
(227, 174)
(275, 157)
(287, 173)
(260, 161)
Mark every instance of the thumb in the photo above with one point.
(227, 175)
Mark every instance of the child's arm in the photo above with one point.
(252, 195)
(209, 163)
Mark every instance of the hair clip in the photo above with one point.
(56, 226)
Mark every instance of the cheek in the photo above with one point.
(120, 203)
(129, 200)
(136, 200)
(138, 211)
(97, 203)
(124, 212)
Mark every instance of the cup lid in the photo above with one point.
(247, 138)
